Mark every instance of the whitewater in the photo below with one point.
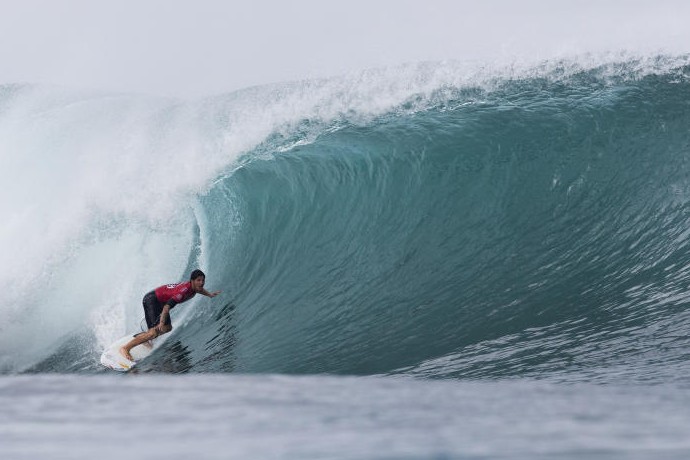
(438, 260)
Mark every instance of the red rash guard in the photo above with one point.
(172, 294)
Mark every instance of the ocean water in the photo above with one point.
(432, 261)
(220, 416)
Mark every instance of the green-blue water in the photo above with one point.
(538, 229)
(523, 235)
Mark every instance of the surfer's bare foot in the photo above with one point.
(126, 354)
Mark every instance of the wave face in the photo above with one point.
(530, 224)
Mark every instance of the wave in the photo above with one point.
(432, 221)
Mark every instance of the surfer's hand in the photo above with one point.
(213, 294)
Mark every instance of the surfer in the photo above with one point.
(159, 302)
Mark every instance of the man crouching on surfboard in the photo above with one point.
(159, 302)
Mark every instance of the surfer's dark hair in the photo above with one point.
(197, 273)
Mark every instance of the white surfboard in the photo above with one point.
(113, 359)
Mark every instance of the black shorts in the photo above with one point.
(153, 309)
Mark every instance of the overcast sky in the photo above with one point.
(200, 47)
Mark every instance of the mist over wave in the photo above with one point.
(437, 220)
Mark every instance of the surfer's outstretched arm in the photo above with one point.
(209, 294)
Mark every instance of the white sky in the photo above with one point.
(200, 47)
